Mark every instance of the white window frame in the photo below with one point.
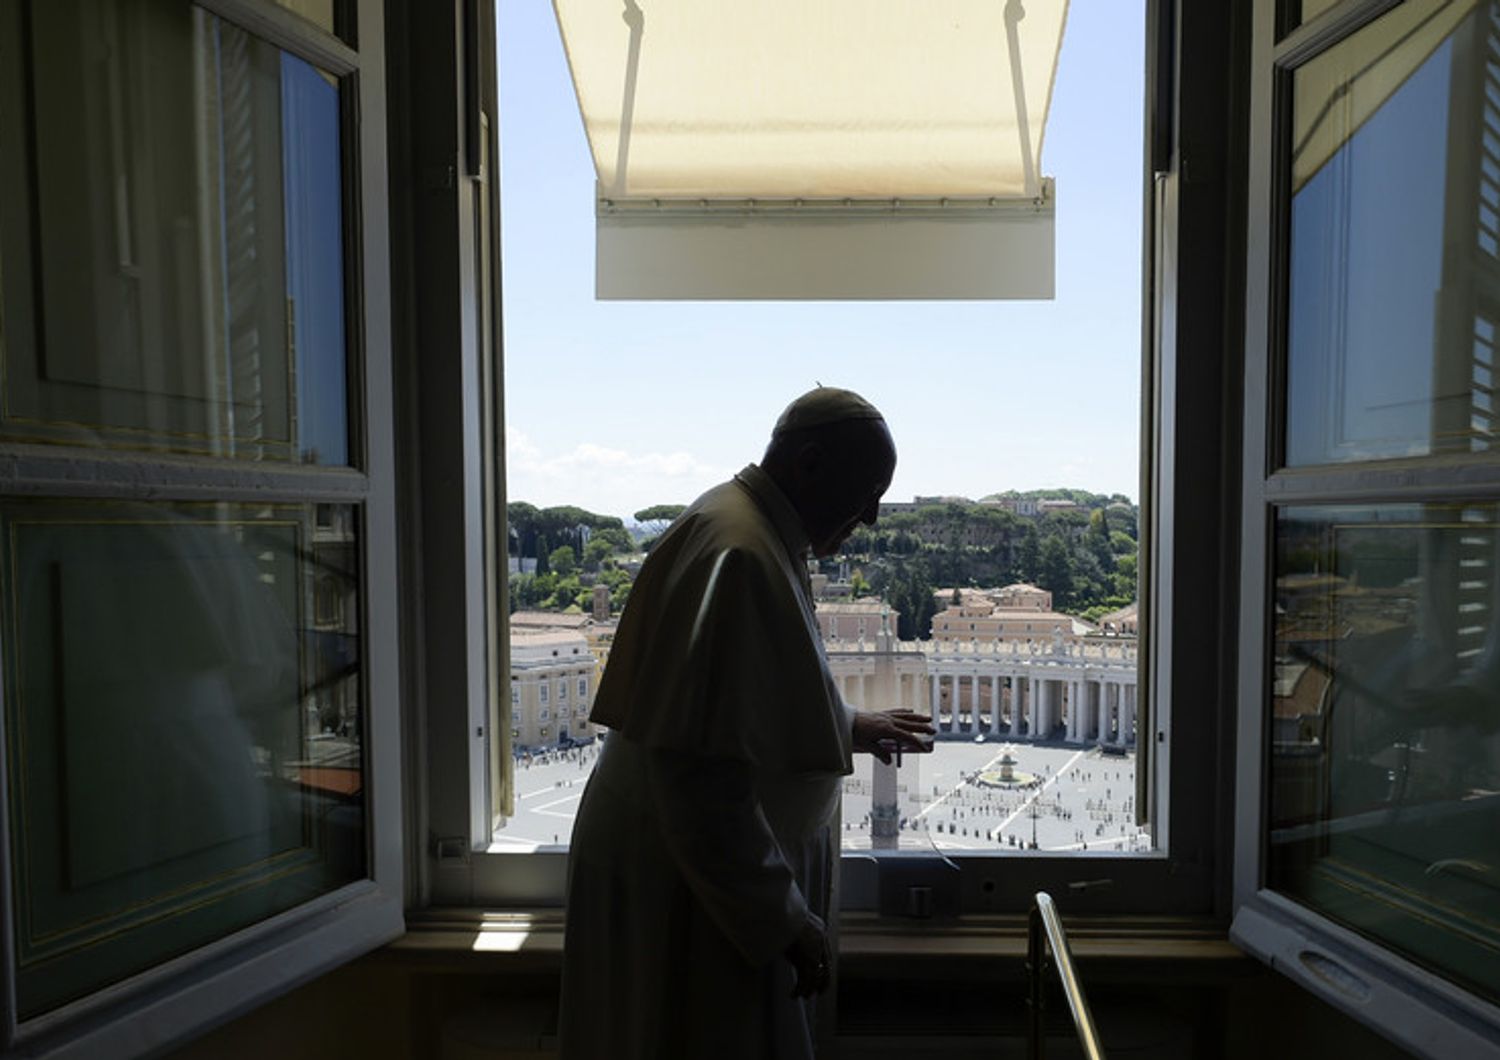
(171, 1002)
(1181, 435)
(1406, 1003)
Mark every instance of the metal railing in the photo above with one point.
(1044, 930)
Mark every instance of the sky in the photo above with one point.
(614, 406)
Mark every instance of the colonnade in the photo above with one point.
(1085, 707)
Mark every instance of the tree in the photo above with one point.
(858, 584)
(561, 560)
(658, 517)
(618, 539)
(1055, 571)
(596, 552)
(1029, 556)
(541, 555)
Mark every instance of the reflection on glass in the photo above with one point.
(184, 727)
(171, 236)
(1395, 184)
(318, 12)
(1385, 723)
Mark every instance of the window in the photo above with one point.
(1371, 521)
(583, 687)
(562, 688)
(541, 691)
(199, 668)
(515, 694)
(530, 456)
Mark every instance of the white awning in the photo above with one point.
(765, 107)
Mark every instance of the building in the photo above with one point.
(1017, 613)
(1119, 623)
(552, 680)
(852, 620)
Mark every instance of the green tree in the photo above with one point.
(859, 585)
(541, 555)
(596, 552)
(1029, 556)
(562, 560)
(1055, 571)
(618, 539)
(658, 517)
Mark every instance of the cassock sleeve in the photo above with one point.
(723, 846)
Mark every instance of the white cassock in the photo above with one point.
(706, 836)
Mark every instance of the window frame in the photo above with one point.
(1189, 455)
(1405, 1002)
(176, 999)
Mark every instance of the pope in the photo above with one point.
(702, 861)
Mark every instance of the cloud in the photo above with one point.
(603, 478)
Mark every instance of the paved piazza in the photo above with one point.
(1083, 799)
(953, 799)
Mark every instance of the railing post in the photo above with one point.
(1044, 932)
(1036, 962)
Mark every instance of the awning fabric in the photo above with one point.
(813, 98)
(727, 136)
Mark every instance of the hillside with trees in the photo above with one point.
(574, 549)
(1087, 556)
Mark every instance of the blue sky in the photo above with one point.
(617, 405)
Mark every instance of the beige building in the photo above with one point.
(1121, 623)
(1017, 613)
(553, 675)
(852, 620)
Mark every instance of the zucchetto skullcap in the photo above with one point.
(825, 404)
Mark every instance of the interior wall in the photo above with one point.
(385, 1008)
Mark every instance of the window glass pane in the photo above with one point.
(1385, 750)
(1395, 187)
(171, 236)
(183, 722)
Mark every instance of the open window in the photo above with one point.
(201, 784)
(1369, 747)
(1165, 865)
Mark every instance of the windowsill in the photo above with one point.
(531, 940)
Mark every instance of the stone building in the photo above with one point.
(552, 681)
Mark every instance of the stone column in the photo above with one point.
(953, 702)
(937, 701)
(1073, 712)
(1100, 706)
(1127, 716)
(995, 683)
(1017, 690)
(974, 722)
